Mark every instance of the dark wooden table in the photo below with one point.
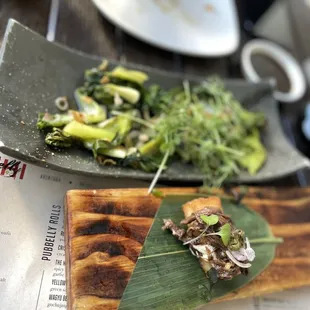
(80, 26)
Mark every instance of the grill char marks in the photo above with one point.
(93, 202)
(101, 275)
(91, 223)
(113, 245)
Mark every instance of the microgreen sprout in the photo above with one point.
(224, 233)
(210, 220)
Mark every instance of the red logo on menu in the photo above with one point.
(12, 168)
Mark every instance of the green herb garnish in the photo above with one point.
(224, 233)
(210, 220)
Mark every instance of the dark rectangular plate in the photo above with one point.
(34, 71)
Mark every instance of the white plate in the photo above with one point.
(192, 27)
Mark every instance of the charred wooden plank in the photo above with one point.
(90, 224)
(287, 210)
(272, 193)
(88, 201)
(101, 275)
(282, 211)
(282, 274)
(113, 245)
(295, 243)
(90, 302)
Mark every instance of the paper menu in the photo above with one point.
(32, 270)
(32, 257)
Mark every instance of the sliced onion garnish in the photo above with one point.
(193, 252)
(205, 250)
(233, 259)
(62, 104)
(240, 255)
(249, 251)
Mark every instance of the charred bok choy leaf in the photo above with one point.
(134, 76)
(57, 138)
(87, 132)
(47, 120)
(129, 94)
(92, 112)
(89, 113)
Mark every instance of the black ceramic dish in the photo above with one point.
(34, 71)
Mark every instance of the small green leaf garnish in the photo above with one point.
(157, 193)
(225, 233)
(210, 220)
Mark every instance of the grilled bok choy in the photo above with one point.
(123, 122)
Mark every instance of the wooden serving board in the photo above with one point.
(105, 230)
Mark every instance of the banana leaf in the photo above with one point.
(168, 276)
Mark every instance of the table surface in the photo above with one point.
(81, 26)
